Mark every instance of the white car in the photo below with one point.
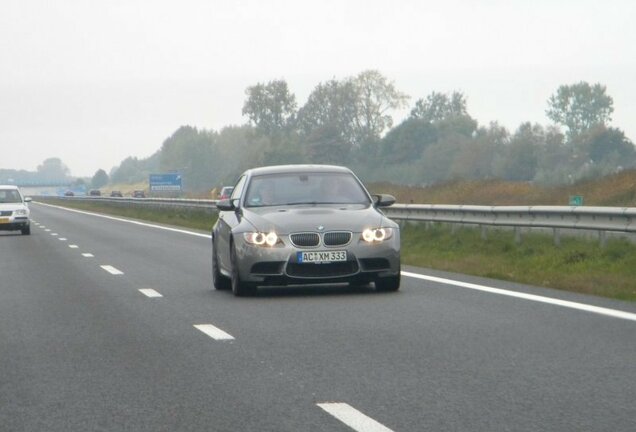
(14, 210)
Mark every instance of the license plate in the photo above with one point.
(321, 256)
(4, 220)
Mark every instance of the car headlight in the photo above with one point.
(261, 239)
(371, 235)
(22, 212)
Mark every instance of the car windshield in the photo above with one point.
(305, 188)
(10, 196)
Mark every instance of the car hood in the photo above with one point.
(12, 206)
(287, 220)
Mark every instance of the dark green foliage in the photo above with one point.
(348, 122)
(271, 107)
(100, 179)
(580, 107)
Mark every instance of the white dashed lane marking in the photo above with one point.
(214, 332)
(112, 270)
(54, 234)
(88, 255)
(353, 418)
(61, 239)
(73, 246)
(148, 292)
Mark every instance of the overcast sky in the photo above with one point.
(92, 82)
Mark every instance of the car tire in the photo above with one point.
(239, 287)
(219, 281)
(388, 284)
(26, 230)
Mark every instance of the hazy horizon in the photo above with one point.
(94, 84)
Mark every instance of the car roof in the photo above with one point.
(282, 169)
(9, 187)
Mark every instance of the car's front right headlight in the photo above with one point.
(22, 212)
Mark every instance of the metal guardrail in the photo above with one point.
(601, 219)
(558, 218)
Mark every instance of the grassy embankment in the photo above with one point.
(579, 265)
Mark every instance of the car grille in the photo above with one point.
(305, 239)
(337, 269)
(6, 213)
(336, 238)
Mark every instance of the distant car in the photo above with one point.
(94, 192)
(116, 194)
(14, 210)
(226, 191)
(69, 193)
(139, 194)
(303, 224)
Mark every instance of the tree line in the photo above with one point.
(349, 122)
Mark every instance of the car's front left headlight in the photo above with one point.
(22, 212)
(377, 235)
(261, 239)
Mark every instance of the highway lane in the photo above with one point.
(82, 349)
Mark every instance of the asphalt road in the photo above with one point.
(83, 349)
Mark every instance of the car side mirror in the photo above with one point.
(383, 200)
(225, 205)
(27, 199)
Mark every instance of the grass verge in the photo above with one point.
(194, 219)
(579, 265)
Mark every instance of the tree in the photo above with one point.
(375, 96)
(407, 141)
(326, 145)
(439, 106)
(519, 158)
(52, 169)
(330, 107)
(271, 107)
(100, 179)
(604, 142)
(190, 152)
(580, 107)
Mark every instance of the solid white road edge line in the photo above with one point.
(88, 255)
(148, 292)
(213, 332)
(130, 221)
(563, 303)
(353, 418)
(112, 270)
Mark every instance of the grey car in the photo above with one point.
(303, 224)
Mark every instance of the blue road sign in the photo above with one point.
(165, 182)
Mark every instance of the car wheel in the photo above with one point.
(26, 230)
(219, 281)
(387, 284)
(239, 287)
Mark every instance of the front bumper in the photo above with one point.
(279, 265)
(13, 223)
